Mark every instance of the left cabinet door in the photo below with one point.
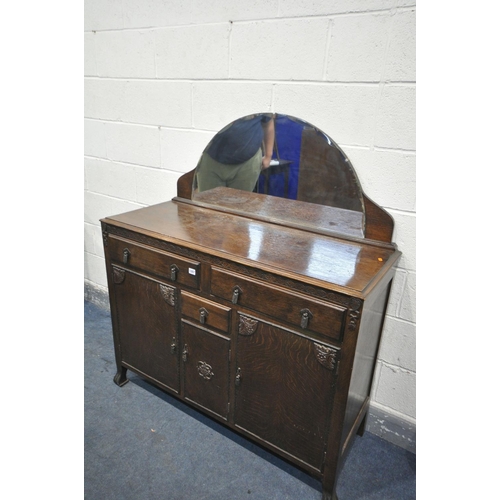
(146, 321)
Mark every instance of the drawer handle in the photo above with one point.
(306, 315)
(185, 353)
(173, 272)
(126, 255)
(173, 346)
(238, 377)
(203, 315)
(237, 291)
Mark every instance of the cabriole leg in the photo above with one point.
(121, 376)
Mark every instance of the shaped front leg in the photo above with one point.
(120, 378)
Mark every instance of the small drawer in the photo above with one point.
(205, 312)
(301, 311)
(154, 261)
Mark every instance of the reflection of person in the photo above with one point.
(234, 158)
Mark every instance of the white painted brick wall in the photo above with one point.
(132, 143)
(180, 149)
(162, 77)
(358, 46)
(125, 54)
(188, 51)
(265, 50)
(215, 104)
(348, 110)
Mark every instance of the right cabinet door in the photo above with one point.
(284, 388)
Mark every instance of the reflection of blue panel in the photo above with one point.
(288, 139)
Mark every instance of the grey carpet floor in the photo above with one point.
(143, 444)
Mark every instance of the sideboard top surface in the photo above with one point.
(334, 263)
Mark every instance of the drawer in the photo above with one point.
(174, 268)
(302, 311)
(205, 312)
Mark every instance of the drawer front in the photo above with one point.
(172, 267)
(205, 312)
(301, 311)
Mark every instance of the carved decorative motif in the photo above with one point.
(118, 275)
(247, 326)
(325, 355)
(168, 294)
(105, 238)
(354, 314)
(205, 370)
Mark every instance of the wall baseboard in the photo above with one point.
(392, 428)
(386, 425)
(96, 294)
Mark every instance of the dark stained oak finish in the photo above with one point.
(206, 312)
(305, 215)
(275, 400)
(145, 338)
(171, 267)
(205, 369)
(317, 259)
(322, 318)
(268, 326)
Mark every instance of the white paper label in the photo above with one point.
(192, 271)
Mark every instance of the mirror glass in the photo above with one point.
(279, 156)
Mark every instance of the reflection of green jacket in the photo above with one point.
(239, 142)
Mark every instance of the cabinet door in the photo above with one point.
(205, 368)
(284, 388)
(147, 326)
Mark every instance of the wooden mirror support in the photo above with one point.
(269, 325)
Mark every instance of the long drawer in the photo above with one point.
(172, 267)
(299, 310)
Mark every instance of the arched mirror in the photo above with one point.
(278, 156)
(305, 164)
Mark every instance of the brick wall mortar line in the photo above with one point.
(256, 82)
(261, 19)
(382, 80)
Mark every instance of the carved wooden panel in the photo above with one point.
(168, 293)
(205, 370)
(354, 314)
(118, 275)
(327, 356)
(246, 325)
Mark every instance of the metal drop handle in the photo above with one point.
(185, 353)
(126, 255)
(173, 272)
(203, 315)
(173, 346)
(236, 293)
(238, 377)
(306, 315)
